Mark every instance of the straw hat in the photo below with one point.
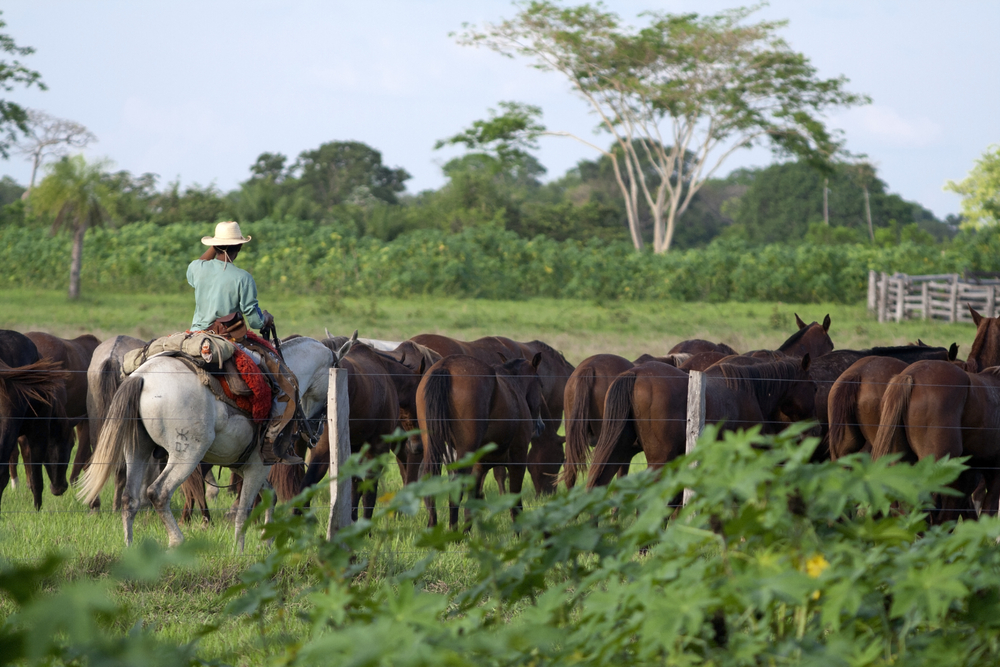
(226, 233)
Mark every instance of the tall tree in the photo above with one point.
(13, 117)
(48, 136)
(980, 190)
(683, 84)
(336, 170)
(78, 195)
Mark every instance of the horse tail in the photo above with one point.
(577, 427)
(895, 402)
(99, 397)
(286, 480)
(437, 420)
(842, 411)
(122, 429)
(35, 383)
(618, 416)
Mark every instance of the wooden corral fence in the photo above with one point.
(898, 297)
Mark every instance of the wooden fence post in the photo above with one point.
(925, 299)
(954, 298)
(883, 295)
(695, 417)
(872, 291)
(901, 299)
(338, 409)
(991, 301)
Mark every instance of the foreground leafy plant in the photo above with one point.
(775, 561)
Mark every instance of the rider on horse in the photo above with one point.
(226, 304)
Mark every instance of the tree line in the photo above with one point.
(675, 98)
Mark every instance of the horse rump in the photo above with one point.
(438, 433)
(842, 414)
(891, 435)
(578, 426)
(618, 427)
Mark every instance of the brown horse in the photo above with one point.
(29, 385)
(647, 406)
(985, 350)
(75, 356)
(545, 456)
(934, 408)
(464, 404)
(812, 339)
(379, 388)
(697, 346)
(584, 400)
(854, 404)
(702, 360)
(827, 369)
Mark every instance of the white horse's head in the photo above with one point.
(310, 361)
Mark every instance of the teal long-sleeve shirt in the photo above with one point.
(222, 289)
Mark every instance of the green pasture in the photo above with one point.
(577, 328)
(179, 604)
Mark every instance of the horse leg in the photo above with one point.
(162, 489)
(500, 475)
(213, 485)
(479, 476)
(84, 450)
(12, 467)
(254, 476)
(517, 456)
(32, 470)
(453, 503)
(128, 495)
(371, 495)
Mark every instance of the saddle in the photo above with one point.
(231, 326)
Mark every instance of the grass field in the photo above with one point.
(187, 598)
(577, 328)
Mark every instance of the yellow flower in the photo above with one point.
(816, 565)
(548, 269)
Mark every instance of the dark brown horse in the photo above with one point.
(545, 456)
(380, 388)
(584, 401)
(826, 369)
(75, 356)
(812, 339)
(29, 385)
(702, 360)
(464, 404)
(985, 350)
(646, 408)
(934, 408)
(854, 404)
(697, 346)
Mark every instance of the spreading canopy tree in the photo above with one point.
(337, 170)
(682, 85)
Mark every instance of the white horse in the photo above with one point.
(164, 403)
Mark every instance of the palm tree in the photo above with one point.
(76, 193)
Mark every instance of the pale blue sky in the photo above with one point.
(197, 90)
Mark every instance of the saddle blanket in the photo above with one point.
(205, 353)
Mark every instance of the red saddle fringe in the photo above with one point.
(258, 404)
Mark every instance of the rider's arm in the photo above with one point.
(249, 306)
(208, 254)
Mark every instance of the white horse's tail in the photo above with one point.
(122, 426)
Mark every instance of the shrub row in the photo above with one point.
(484, 262)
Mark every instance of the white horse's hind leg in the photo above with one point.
(162, 490)
(254, 476)
(137, 458)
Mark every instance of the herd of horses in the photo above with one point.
(161, 428)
